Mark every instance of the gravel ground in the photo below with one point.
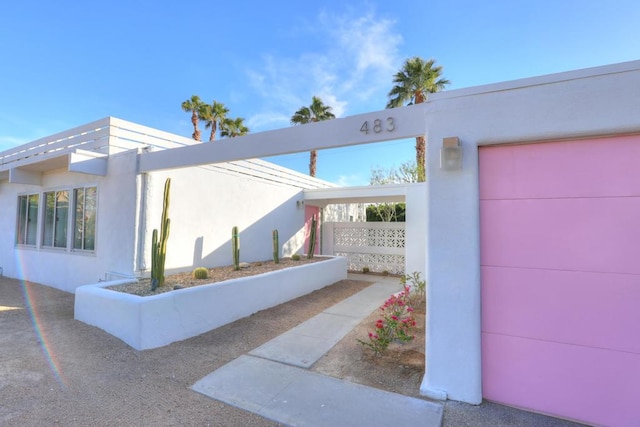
(56, 371)
(216, 274)
(102, 381)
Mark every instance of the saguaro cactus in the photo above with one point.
(276, 248)
(235, 247)
(159, 243)
(312, 237)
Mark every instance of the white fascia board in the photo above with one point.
(391, 193)
(21, 176)
(384, 125)
(618, 68)
(88, 162)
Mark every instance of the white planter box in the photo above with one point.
(158, 320)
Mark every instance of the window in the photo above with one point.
(84, 231)
(67, 221)
(56, 219)
(27, 219)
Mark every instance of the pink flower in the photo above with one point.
(409, 309)
(394, 317)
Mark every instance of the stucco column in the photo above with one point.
(453, 364)
(416, 230)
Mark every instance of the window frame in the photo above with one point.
(74, 218)
(25, 215)
(54, 234)
(23, 241)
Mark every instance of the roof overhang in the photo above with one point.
(30, 172)
(392, 193)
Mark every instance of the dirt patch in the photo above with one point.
(399, 369)
(217, 274)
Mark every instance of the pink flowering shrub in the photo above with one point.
(396, 323)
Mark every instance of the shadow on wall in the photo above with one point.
(256, 242)
(198, 249)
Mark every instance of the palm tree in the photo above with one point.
(231, 128)
(316, 112)
(413, 83)
(194, 105)
(213, 115)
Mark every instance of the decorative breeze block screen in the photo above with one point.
(377, 246)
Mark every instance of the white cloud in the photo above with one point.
(350, 63)
(351, 180)
(263, 121)
(372, 46)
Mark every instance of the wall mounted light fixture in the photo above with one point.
(451, 154)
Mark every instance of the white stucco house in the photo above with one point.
(74, 208)
(529, 214)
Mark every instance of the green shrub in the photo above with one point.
(365, 270)
(416, 284)
(200, 273)
(295, 257)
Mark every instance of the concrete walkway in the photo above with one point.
(273, 380)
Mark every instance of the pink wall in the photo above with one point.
(560, 266)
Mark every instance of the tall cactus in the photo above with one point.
(276, 248)
(159, 243)
(235, 247)
(312, 237)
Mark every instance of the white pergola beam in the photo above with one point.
(385, 125)
(21, 176)
(88, 162)
(391, 193)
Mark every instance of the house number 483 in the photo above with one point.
(378, 126)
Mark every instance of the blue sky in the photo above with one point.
(70, 62)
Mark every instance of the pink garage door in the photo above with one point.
(560, 264)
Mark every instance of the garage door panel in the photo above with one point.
(588, 309)
(582, 383)
(560, 255)
(567, 234)
(593, 168)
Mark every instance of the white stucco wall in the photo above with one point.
(416, 230)
(205, 205)
(114, 240)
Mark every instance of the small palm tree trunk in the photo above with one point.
(312, 163)
(194, 122)
(420, 158)
(214, 128)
